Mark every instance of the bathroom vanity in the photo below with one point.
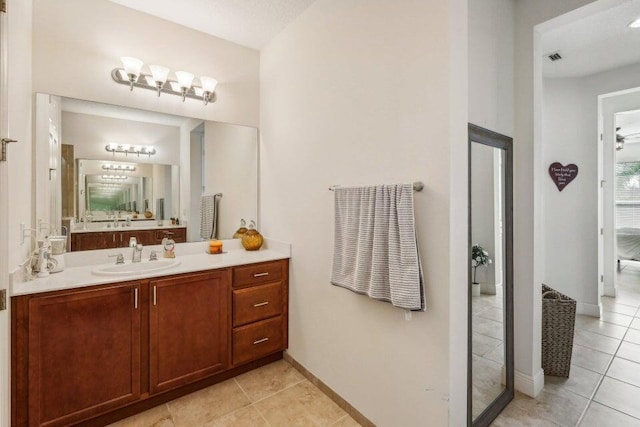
(84, 240)
(89, 349)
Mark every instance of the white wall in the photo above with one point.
(20, 115)
(491, 37)
(570, 135)
(529, 173)
(231, 168)
(343, 102)
(483, 211)
(18, 174)
(76, 44)
(90, 134)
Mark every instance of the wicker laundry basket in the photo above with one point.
(558, 322)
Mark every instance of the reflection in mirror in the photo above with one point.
(78, 178)
(107, 188)
(490, 313)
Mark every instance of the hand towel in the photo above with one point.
(375, 246)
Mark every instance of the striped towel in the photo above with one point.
(375, 248)
(209, 216)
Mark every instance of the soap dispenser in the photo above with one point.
(169, 245)
(43, 258)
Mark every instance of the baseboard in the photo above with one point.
(588, 309)
(529, 385)
(341, 402)
(609, 291)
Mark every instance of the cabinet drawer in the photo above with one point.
(256, 303)
(256, 340)
(257, 274)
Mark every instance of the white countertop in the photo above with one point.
(191, 256)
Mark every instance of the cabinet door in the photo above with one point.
(189, 328)
(179, 235)
(144, 237)
(84, 353)
(90, 241)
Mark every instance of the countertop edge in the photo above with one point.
(191, 262)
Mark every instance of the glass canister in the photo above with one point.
(252, 240)
(240, 231)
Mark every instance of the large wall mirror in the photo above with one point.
(491, 366)
(100, 163)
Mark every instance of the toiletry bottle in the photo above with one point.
(169, 245)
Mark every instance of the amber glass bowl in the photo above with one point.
(252, 240)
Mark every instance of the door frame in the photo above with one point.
(608, 106)
(5, 323)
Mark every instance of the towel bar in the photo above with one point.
(417, 186)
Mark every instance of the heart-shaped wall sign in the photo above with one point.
(562, 175)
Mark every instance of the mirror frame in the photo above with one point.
(479, 135)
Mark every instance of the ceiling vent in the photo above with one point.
(553, 57)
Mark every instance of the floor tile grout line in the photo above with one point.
(261, 415)
(622, 381)
(338, 420)
(598, 333)
(601, 379)
(242, 389)
(617, 410)
(280, 391)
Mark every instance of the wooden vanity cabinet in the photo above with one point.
(94, 240)
(82, 352)
(153, 237)
(91, 356)
(119, 238)
(188, 328)
(260, 310)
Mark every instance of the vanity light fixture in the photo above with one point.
(131, 75)
(132, 68)
(128, 149)
(120, 168)
(635, 23)
(114, 177)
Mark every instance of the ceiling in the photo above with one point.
(250, 23)
(594, 44)
(629, 123)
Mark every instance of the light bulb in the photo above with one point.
(635, 23)
(159, 74)
(208, 84)
(184, 80)
(132, 67)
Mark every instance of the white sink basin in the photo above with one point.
(135, 268)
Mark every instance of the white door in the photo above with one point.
(601, 207)
(5, 389)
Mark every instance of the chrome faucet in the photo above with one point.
(137, 253)
(119, 258)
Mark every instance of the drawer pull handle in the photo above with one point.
(260, 304)
(261, 274)
(260, 341)
(135, 298)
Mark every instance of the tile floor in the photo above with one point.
(487, 348)
(604, 386)
(273, 395)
